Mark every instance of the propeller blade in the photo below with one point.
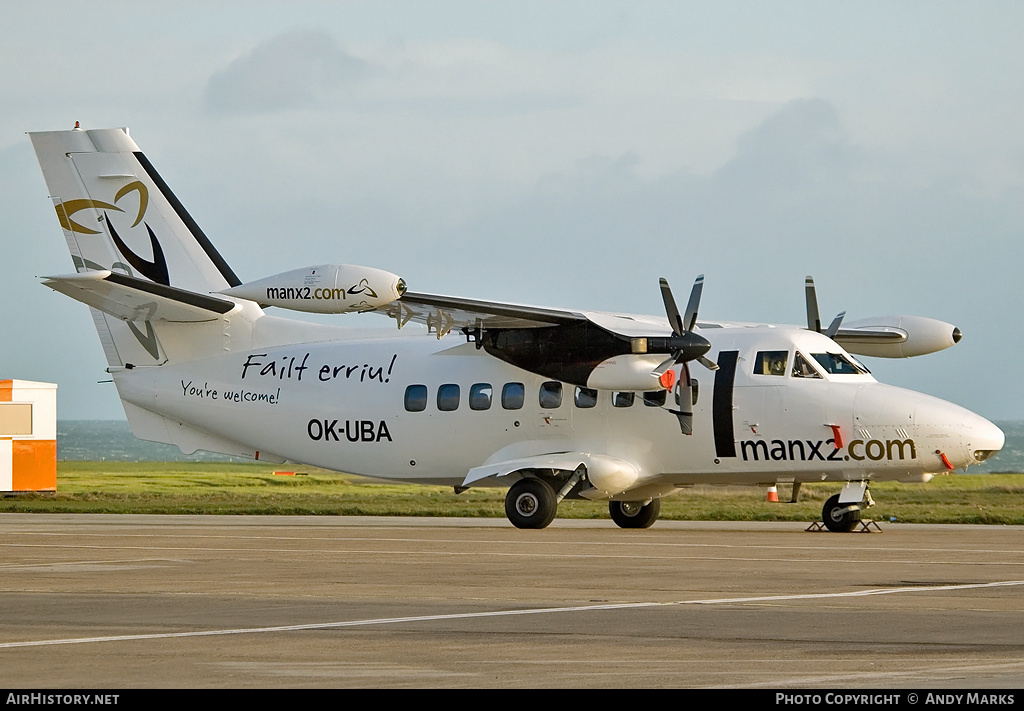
(833, 329)
(708, 363)
(685, 421)
(690, 320)
(671, 309)
(661, 369)
(813, 319)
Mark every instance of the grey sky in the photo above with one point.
(562, 154)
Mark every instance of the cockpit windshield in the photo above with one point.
(859, 364)
(803, 369)
(838, 364)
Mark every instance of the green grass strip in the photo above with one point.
(230, 488)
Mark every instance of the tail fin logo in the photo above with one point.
(155, 270)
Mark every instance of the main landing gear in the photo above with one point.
(635, 514)
(532, 503)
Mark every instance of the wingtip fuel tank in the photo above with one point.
(324, 289)
(898, 336)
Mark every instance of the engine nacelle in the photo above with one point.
(324, 289)
(897, 336)
(628, 372)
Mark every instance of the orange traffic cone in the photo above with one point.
(773, 494)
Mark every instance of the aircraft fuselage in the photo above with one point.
(422, 409)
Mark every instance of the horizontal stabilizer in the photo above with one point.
(132, 299)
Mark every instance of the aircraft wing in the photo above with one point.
(586, 348)
(441, 314)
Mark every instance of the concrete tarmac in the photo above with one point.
(121, 601)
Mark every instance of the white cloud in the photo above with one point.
(300, 69)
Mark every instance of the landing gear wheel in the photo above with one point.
(530, 503)
(634, 514)
(836, 519)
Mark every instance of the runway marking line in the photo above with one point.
(77, 535)
(505, 613)
(533, 554)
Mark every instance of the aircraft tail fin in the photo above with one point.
(120, 217)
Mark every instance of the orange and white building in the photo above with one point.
(28, 436)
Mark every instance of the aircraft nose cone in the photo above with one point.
(983, 439)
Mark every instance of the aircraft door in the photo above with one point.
(761, 414)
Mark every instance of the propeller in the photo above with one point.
(813, 319)
(684, 345)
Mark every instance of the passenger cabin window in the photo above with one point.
(551, 395)
(480, 396)
(448, 397)
(623, 399)
(771, 363)
(585, 397)
(837, 364)
(655, 398)
(513, 395)
(802, 368)
(416, 398)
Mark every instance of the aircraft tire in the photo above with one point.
(530, 503)
(839, 522)
(633, 514)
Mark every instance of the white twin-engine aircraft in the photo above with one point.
(552, 403)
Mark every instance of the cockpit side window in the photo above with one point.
(771, 363)
(837, 364)
(802, 367)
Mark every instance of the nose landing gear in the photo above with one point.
(841, 513)
(840, 518)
